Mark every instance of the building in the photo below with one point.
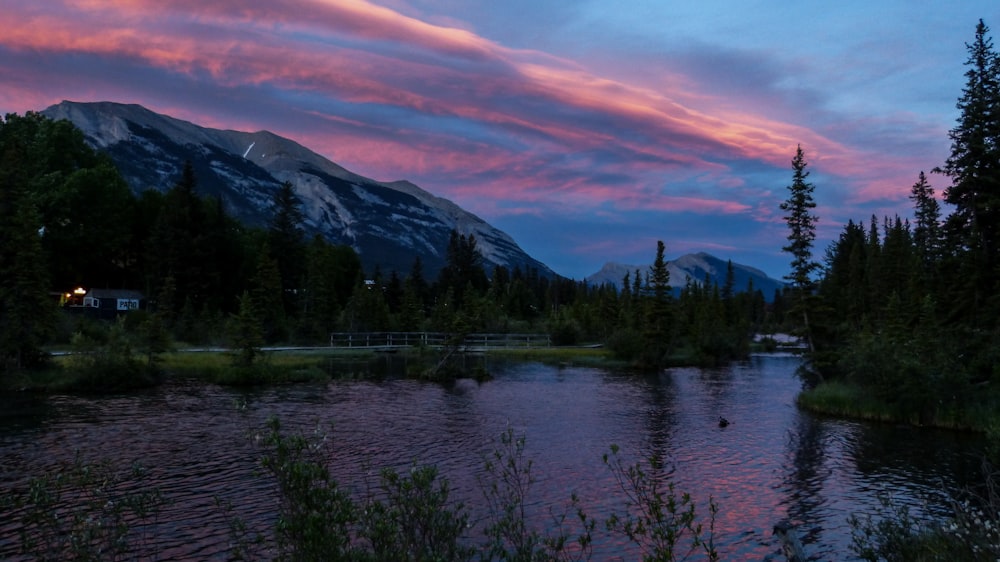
(103, 303)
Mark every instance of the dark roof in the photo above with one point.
(115, 294)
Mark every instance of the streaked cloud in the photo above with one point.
(572, 113)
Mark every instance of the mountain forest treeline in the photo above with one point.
(68, 219)
(905, 310)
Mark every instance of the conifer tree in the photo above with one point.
(973, 165)
(974, 169)
(319, 303)
(658, 321)
(286, 240)
(927, 225)
(801, 235)
(266, 298)
(463, 269)
(898, 260)
(246, 334)
(416, 281)
(728, 292)
(176, 247)
(411, 313)
(26, 312)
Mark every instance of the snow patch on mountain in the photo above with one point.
(389, 223)
(368, 196)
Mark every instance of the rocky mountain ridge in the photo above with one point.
(387, 223)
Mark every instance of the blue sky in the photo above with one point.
(587, 130)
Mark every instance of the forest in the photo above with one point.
(902, 310)
(69, 220)
(903, 316)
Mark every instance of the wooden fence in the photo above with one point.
(436, 339)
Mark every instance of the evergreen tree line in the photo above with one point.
(68, 219)
(909, 309)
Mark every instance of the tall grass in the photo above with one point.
(843, 399)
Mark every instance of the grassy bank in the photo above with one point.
(840, 399)
(219, 367)
(273, 367)
(580, 356)
(64, 373)
(291, 365)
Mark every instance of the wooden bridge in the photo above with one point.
(468, 342)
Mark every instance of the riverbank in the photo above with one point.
(199, 442)
(293, 364)
(277, 365)
(839, 399)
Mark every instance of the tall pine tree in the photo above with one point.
(287, 243)
(974, 169)
(659, 321)
(927, 226)
(801, 235)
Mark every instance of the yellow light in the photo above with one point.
(79, 291)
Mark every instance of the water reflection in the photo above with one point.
(807, 475)
(772, 462)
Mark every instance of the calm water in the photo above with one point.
(772, 462)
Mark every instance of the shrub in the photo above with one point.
(972, 532)
(83, 511)
(626, 344)
(414, 519)
(564, 330)
(659, 521)
(315, 515)
(506, 487)
(106, 362)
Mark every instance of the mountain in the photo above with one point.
(387, 223)
(693, 267)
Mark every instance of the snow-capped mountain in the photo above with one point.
(692, 268)
(387, 223)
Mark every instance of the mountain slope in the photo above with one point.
(388, 224)
(693, 268)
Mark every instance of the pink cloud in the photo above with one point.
(486, 122)
(241, 50)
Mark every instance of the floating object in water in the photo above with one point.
(723, 422)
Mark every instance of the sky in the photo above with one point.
(585, 129)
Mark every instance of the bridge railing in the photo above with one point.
(436, 339)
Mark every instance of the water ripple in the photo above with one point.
(771, 462)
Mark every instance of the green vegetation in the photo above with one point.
(68, 219)
(903, 322)
(89, 511)
(223, 367)
(659, 520)
(85, 511)
(971, 532)
(801, 235)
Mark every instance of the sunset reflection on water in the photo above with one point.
(771, 463)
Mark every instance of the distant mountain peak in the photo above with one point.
(691, 268)
(388, 223)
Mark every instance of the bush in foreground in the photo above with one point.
(971, 532)
(90, 512)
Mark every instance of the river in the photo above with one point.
(772, 462)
